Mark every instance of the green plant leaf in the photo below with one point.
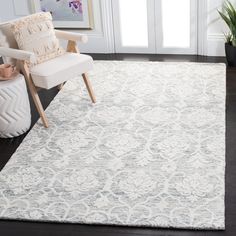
(228, 14)
(225, 18)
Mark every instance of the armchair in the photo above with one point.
(51, 73)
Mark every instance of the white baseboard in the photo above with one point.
(215, 45)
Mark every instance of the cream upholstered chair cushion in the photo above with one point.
(60, 69)
(35, 33)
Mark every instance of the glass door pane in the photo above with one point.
(133, 26)
(176, 26)
(133, 23)
(176, 23)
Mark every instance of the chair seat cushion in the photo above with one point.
(60, 69)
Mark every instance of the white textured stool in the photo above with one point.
(15, 115)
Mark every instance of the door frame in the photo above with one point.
(202, 28)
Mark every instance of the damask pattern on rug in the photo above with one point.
(150, 152)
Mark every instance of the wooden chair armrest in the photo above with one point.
(18, 54)
(61, 34)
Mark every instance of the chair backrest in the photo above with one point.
(7, 39)
(33, 33)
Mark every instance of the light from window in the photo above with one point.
(176, 23)
(133, 23)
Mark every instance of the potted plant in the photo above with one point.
(228, 14)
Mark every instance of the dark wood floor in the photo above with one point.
(8, 147)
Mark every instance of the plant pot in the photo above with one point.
(230, 52)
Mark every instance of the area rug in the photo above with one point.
(150, 152)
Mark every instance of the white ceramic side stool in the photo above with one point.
(15, 114)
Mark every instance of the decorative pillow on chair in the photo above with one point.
(35, 33)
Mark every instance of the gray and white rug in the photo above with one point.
(151, 152)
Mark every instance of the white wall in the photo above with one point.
(215, 29)
(8, 10)
(101, 38)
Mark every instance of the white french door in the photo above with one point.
(176, 26)
(132, 29)
(155, 26)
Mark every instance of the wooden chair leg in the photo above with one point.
(72, 47)
(89, 88)
(60, 86)
(34, 94)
